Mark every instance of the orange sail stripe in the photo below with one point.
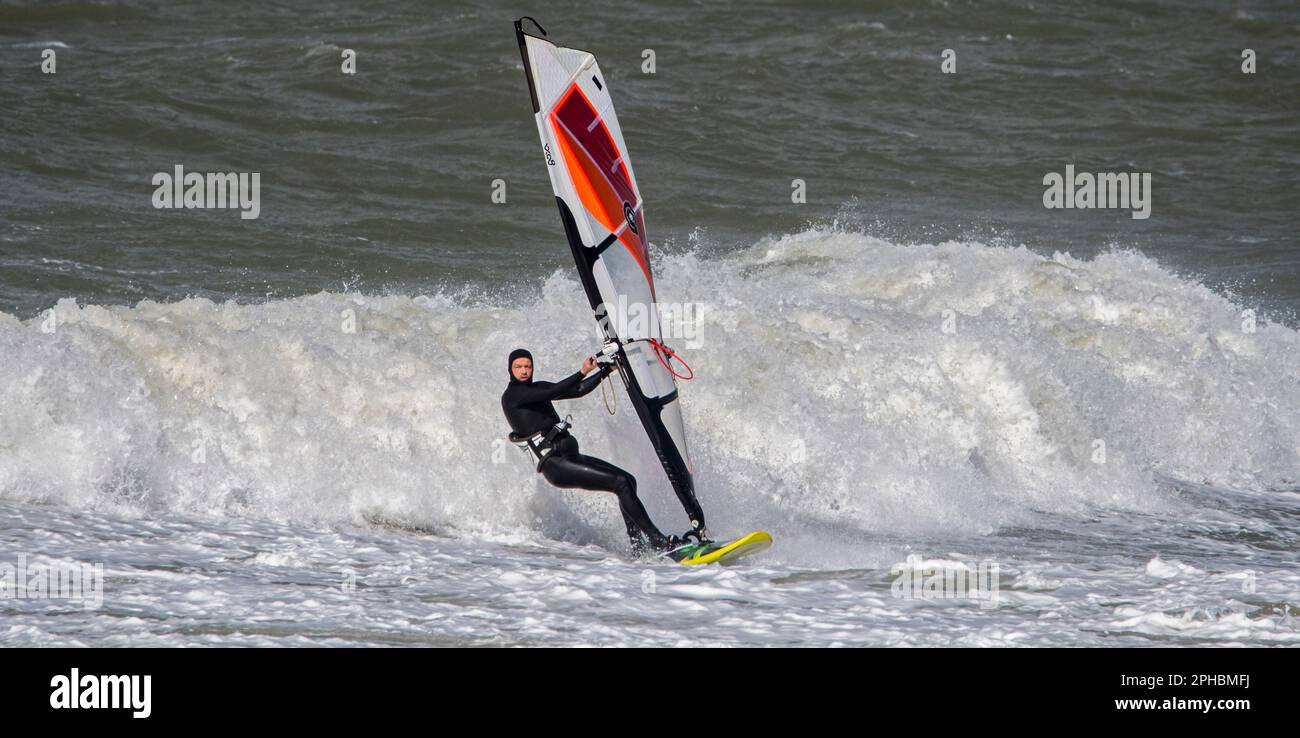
(581, 182)
(597, 196)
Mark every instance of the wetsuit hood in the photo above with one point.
(518, 354)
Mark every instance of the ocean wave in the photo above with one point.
(844, 384)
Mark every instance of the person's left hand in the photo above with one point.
(587, 365)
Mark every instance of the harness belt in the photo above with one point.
(542, 443)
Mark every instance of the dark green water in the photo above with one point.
(381, 181)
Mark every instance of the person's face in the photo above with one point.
(522, 369)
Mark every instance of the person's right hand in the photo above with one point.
(588, 364)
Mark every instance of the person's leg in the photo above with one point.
(634, 533)
(639, 525)
(583, 472)
(602, 464)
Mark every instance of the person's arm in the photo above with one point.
(527, 394)
(587, 385)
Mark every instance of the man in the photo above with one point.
(532, 417)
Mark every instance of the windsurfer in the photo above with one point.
(532, 418)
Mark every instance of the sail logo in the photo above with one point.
(630, 216)
(95, 692)
(550, 160)
(185, 190)
(917, 579)
(1123, 190)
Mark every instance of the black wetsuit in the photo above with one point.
(528, 408)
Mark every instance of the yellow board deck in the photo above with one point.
(716, 552)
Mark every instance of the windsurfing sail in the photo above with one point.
(604, 219)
